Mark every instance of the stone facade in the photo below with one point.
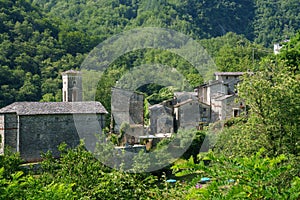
(133, 133)
(32, 128)
(222, 107)
(72, 86)
(9, 131)
(161, 119)
(187, 114)
(41, 133)
(205, 112)
(220, 95)
(127, 107)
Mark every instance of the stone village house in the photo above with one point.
(220, 96)
(211, 102)
(127, 107)
(32, 128)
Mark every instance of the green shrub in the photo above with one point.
(252, 177)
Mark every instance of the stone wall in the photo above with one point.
(72, 87)
(8, 132)
(205, 113)
(132, 134)
(216, 110)
(165, 124)
(228, 105)
(161, 119)
(1, 134)
(222, 108)
(136, 109)
(40, 133)
(127, 107)
(189, 115)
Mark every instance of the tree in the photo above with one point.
(274, 98)
(30, 88)
(290, 54)
(272, 95)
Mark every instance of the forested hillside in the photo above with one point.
(265, 22)
(32, 53)
(39, 38)
(202, 19)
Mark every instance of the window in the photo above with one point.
(65, 96)
(74, 95)
(236, 112)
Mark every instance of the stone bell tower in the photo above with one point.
(72, 86)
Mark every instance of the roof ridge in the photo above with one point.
(32, 108)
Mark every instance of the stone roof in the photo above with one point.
(183, 103)
(229, 73)
(177, 94)
(72, 71)
(162, 108)
(223, 97)
(46, 108)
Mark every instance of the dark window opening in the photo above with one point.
(235, 113)
(74, 95)
(65, 96)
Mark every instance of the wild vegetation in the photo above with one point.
(255, 156)
(40, 39)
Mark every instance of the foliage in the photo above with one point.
(254, 177)
(187, 142)
(10, 163)
(251, 177)
(290, 54)
(233, 52)
(275, 21)
(163, 94)
(16, 184)
(26, 187)
(90, 179)
(273, 96)
(202, 19)
(235, 141)
(32, 54)
(38, 41)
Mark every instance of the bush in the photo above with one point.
(253, 177)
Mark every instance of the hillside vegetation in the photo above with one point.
(39, 39)
(265, 22)
(254, 156)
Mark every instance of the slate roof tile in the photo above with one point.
(44, 108)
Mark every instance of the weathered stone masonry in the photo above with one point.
(32, 128)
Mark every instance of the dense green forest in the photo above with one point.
(40, 39)
(255, 156)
